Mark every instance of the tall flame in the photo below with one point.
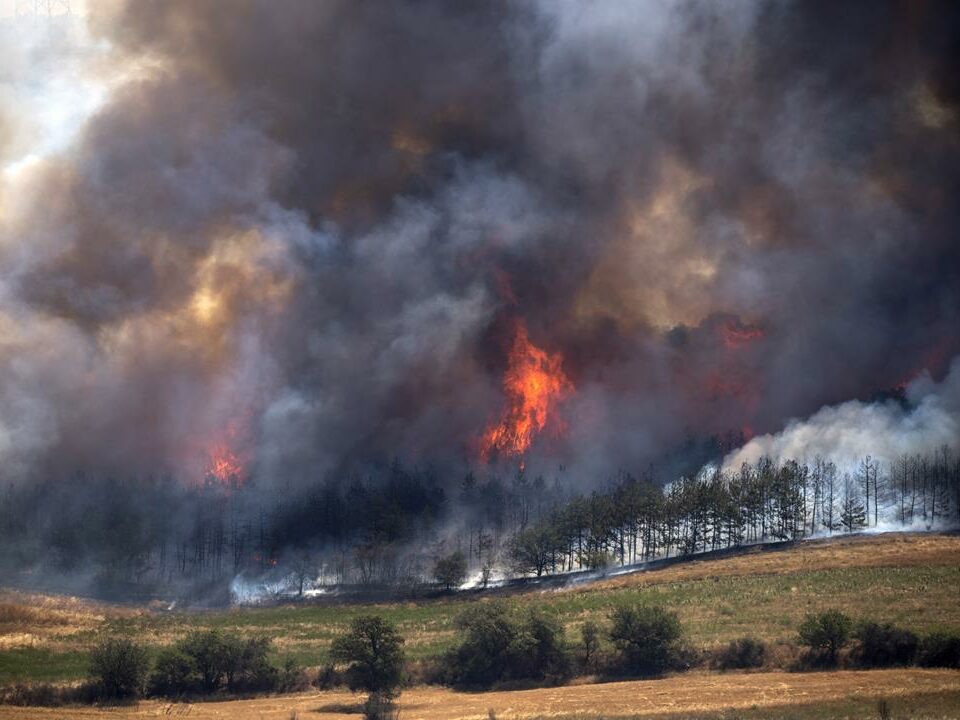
(227, 461)
(533, 384)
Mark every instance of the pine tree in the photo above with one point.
(853, 515)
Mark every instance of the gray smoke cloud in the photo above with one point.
(849, 432)
(302, 232)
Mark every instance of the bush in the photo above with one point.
(292, 677)
(745, 652)
(328, 677)
(647, 639)
(537, 652)
(247, 667)
(940, 650)
(885, 645)
(826, 634)
(119, 668)
(499, 646)
(207, 659)
(173, 674)
(488, 632)
(212, 656)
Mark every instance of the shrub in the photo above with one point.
(373, 650)
(174, 673)
(488, 633)
(207, 659)
(537, 652)
(825, 634)
(212, 655)
(745, 652)
(247, 666)
(292, 677)
(940, 650)
(499, 646)
(119, 668)
(646, 638)
(885, 645)
(328, 677)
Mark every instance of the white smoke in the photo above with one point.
(849, 432)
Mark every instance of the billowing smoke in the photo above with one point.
(927, 420)
(291, 240)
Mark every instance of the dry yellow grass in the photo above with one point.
(692, 693)
(862, 551)
(30, 619)
(53, 621)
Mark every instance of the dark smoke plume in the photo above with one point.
(299, 233)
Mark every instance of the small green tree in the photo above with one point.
(531, 549)
(373, 651)
(119, 668)
(853, 515)
(451, 569)
(647, 638)
(589, 643)
(825, 634)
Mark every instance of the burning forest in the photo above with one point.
(300, 294)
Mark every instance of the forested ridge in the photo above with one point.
(153, 535)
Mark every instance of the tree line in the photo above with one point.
(405, 526)
(496, 645)
(636, 519)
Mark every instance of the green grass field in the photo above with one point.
(713, 609)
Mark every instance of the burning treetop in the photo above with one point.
(533, 384)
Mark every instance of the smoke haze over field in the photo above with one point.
(282, 240)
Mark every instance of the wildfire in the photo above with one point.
(225, 466)
(736, 334)
(533, 384)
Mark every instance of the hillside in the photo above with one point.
(909, 579)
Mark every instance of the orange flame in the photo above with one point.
(225, 466)
(533, 384)
(736, 334)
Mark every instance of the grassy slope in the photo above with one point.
(908, 579)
